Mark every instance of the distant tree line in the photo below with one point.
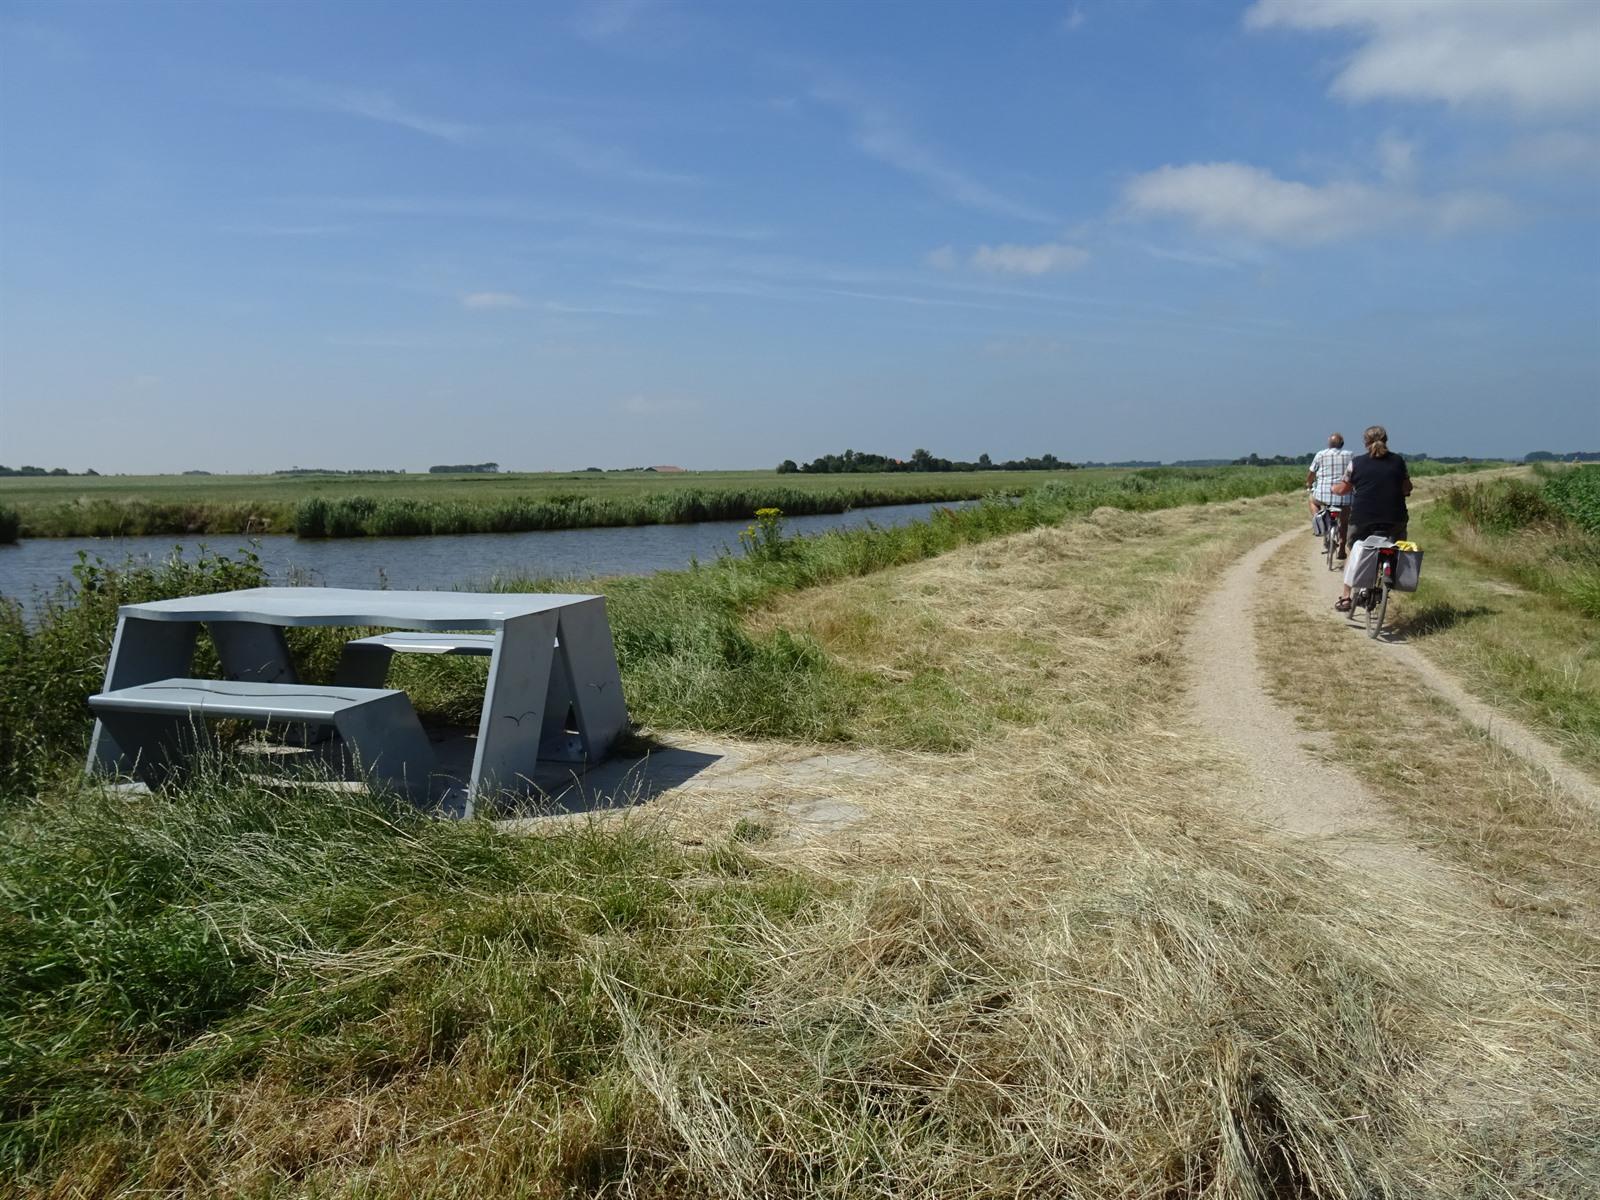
(1570, 456)
(25, 470)
(331, 471)
(1304, 460)
(488, 468)
(852, 462)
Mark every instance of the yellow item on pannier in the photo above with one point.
(1407, 546)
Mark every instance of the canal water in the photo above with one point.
(436, 563)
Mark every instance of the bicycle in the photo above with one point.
(1330, 536)
(1375, 599)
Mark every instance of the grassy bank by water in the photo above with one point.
(377, 505)
(1049, 968)
(687, 658)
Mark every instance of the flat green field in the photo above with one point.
(351, 505)
(398, 505)
(33, 492)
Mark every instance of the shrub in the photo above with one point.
(1501, 505)
(1576, 494)
(49, 666)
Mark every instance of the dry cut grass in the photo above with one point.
(1469, 799)
(1051, 964)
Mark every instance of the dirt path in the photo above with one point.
(1322, 586)
(1283, 784)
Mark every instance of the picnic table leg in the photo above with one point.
(590, 662)
(143, 651)
(514, 703)
(253, 652)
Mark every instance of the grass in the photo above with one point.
(10, 524)
(1045, 964)
(687, 658)
(377, 505)
(1460, 792)
(327, 505)
(1510, 604)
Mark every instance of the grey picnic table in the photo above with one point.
(551, 659)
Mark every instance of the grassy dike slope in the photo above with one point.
(1046, 963)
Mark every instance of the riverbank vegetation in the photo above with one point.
(1047, 965)
(394, 504)
(688, 660)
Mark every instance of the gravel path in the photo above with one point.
(1322, 588)
(1282, 784)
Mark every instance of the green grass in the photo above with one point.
(687, 658)
(1090, 983)
(1535, 533)
(285, 946)
(1510, 604)
(353, 506)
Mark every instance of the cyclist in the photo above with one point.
(1327, 468)
(1378, 485)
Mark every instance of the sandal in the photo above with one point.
(1342, 604)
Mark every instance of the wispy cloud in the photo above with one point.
(593, 310)
(515, 210)
(1231, 197)
(1555, 150)
(1008, 258)
(588, 155)
(1193, 258)
(491, 300)
(597, 158)
(1042, 259)
(371, 104)
(603, 20)
(1534, 55)
(878, 133)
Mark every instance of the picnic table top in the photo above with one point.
(356, 606)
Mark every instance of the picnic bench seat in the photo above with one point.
(365, 661)
(378, 726)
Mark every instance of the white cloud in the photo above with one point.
(879, 134)
(372, 105)
(941, 258)
(1074, 19)
(487, 300)
(1029, 260)
(1534, 55)
(1230, 197)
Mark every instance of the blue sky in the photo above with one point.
(611, 232)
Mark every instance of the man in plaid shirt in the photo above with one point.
(1328, 468)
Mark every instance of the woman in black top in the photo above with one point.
(1380, 484)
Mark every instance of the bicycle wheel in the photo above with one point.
(1379, 609)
